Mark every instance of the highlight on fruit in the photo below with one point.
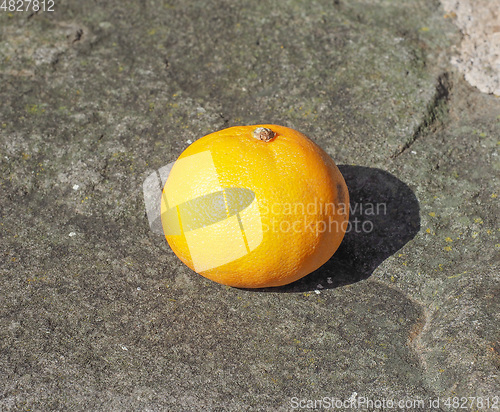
(229, 215)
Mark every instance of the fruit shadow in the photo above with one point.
(384, 216)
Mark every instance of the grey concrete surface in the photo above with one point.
(97, 313)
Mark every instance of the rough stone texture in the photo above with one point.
(96, 311)
(479, 52)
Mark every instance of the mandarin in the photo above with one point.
(254, 206)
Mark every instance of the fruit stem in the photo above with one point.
(263, 133)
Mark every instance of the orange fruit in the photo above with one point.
(254, 206)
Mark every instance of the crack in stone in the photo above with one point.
(103, 173)
(434, 115)
(419, 327)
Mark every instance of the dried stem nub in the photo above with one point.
(263, 133)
